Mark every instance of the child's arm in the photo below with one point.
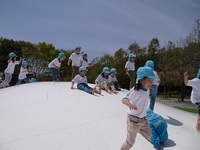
(186, 78)
(72, 86)
(9, 60)
(20, 60)
(128, 104)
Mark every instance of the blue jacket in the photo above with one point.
(158, 127)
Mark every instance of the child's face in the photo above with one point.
(62, 58)
(25, 65)
(83, 73)
(78, 50)
(146, 83)
(112, 74)
(85, 57)
(106, 74)
(132, 58)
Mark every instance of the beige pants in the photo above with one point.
(104, 86)
(136, 125)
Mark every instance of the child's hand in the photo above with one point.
(186, 75)
(132, 107)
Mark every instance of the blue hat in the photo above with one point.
(198, 74)
(78, 47)
(82, 68)
(61, 55)
(130, 56)
(150, 64)
(144, 72)
(32, 80)
(24, 62)
(105, 70)
(113, 70)
(12, 54)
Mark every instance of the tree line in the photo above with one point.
(171, 61)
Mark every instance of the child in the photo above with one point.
(158, 128)
(54, 66)
(154, 87)
(10, 69)
(112, 81)
(102, 80)
(23, 73)
(195, 95)
(77, 61)
(130, 68)
(81, 80)
(137, 102)
(85, 61)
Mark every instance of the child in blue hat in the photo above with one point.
(137, 100)
(77, 60)
(195, 95)
(54, 66)
(102, 80)
(112, 81)
(158, 127)
(85, 61)
(130, 69)
(12, 62)
(23, 73)
(81, 81)
(155, 84)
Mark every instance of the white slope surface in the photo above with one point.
(51, 116)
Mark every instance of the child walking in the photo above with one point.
(54, 66)
(137, 102)
(112, 81)
(12, 62)
(81, 81)
(102, 80)
(155, 84)
(77, 60)
(130, 69)
(23, 73)
(195, 95)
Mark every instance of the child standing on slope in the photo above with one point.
(77, 60)
(195, 95)
(137, 102)
(102, 80)
(85, 61)
(155, 84)
(130, 69)
(54, 66)
(23, 72)
(10, 69)
(81, 81)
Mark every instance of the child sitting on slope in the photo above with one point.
(81, 81)
(102, 80)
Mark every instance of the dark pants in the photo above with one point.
(198, 107)
(55, 73)
(153, 94)
(84, 87)
(75, 71)
(131, 75)
(26, 80)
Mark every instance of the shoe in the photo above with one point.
(118, 89)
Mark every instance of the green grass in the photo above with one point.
(192, 110)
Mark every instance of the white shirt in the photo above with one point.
(156, 80)
(195, 94)
(112, 79)
(23, 73)
(85, 64)
(76, 59)
(140, 99)
(130, 66)
(101, 79)
(55, 62)
(80, 79)
(11, 67)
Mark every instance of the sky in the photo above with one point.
(99, 26)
